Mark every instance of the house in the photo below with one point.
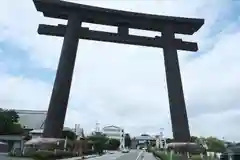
(29, 120)
(232, 152)
(142, 141)
(32, 119)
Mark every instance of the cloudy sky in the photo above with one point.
(125, 85)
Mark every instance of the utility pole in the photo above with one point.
(97, 128)
(161, 137)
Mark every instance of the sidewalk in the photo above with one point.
(93, 156)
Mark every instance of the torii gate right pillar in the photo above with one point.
(180, 126)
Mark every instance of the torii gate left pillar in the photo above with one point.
(61, 89)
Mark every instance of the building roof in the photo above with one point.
(32, 119)
(111, 127)
(233, 149)
(144, 137)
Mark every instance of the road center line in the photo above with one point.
(139, 155)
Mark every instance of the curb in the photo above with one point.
(85, 157)
(80, 158)
(156, 157)
(90, 156)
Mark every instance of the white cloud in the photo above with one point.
(223, 124)
(125, 85)
(20, 93)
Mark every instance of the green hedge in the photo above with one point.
(196, 157)
(166, 155)
(44, 154)
(150, 149)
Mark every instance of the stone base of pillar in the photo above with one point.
(185, 147)
(46, 143)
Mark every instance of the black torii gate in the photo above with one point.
(73, 31)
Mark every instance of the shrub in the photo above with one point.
(196, 157)
(113, 144)
(150, 149)
(42, 155)
(161, 155)
(45, 154)
(166, 155)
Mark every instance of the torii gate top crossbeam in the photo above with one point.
(97, 15)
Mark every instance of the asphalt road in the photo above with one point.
(132, 155)
(4, 156)
(148, 156)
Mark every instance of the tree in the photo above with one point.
(194, 139)
(9, 122)
(169, 140)
(127, 140)
(215, 145)
(99, 142)
(12, 114)
(99, 137)
(69, 134)
(113, 144)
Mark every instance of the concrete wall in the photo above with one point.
(3, 147)
(10, 137)
(14, 141)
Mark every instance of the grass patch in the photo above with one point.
(196, 157)
(166, 155)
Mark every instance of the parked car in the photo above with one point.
(125, 150)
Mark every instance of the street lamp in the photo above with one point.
(162, 139)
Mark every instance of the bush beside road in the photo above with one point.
(164, 155)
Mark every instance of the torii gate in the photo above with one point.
(73, 31)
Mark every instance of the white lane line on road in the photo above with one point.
(139, 155)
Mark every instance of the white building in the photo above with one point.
(160, 141)
(115, 132)
(144, 138)
(31, 119)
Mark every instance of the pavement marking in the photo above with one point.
(139, 155)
